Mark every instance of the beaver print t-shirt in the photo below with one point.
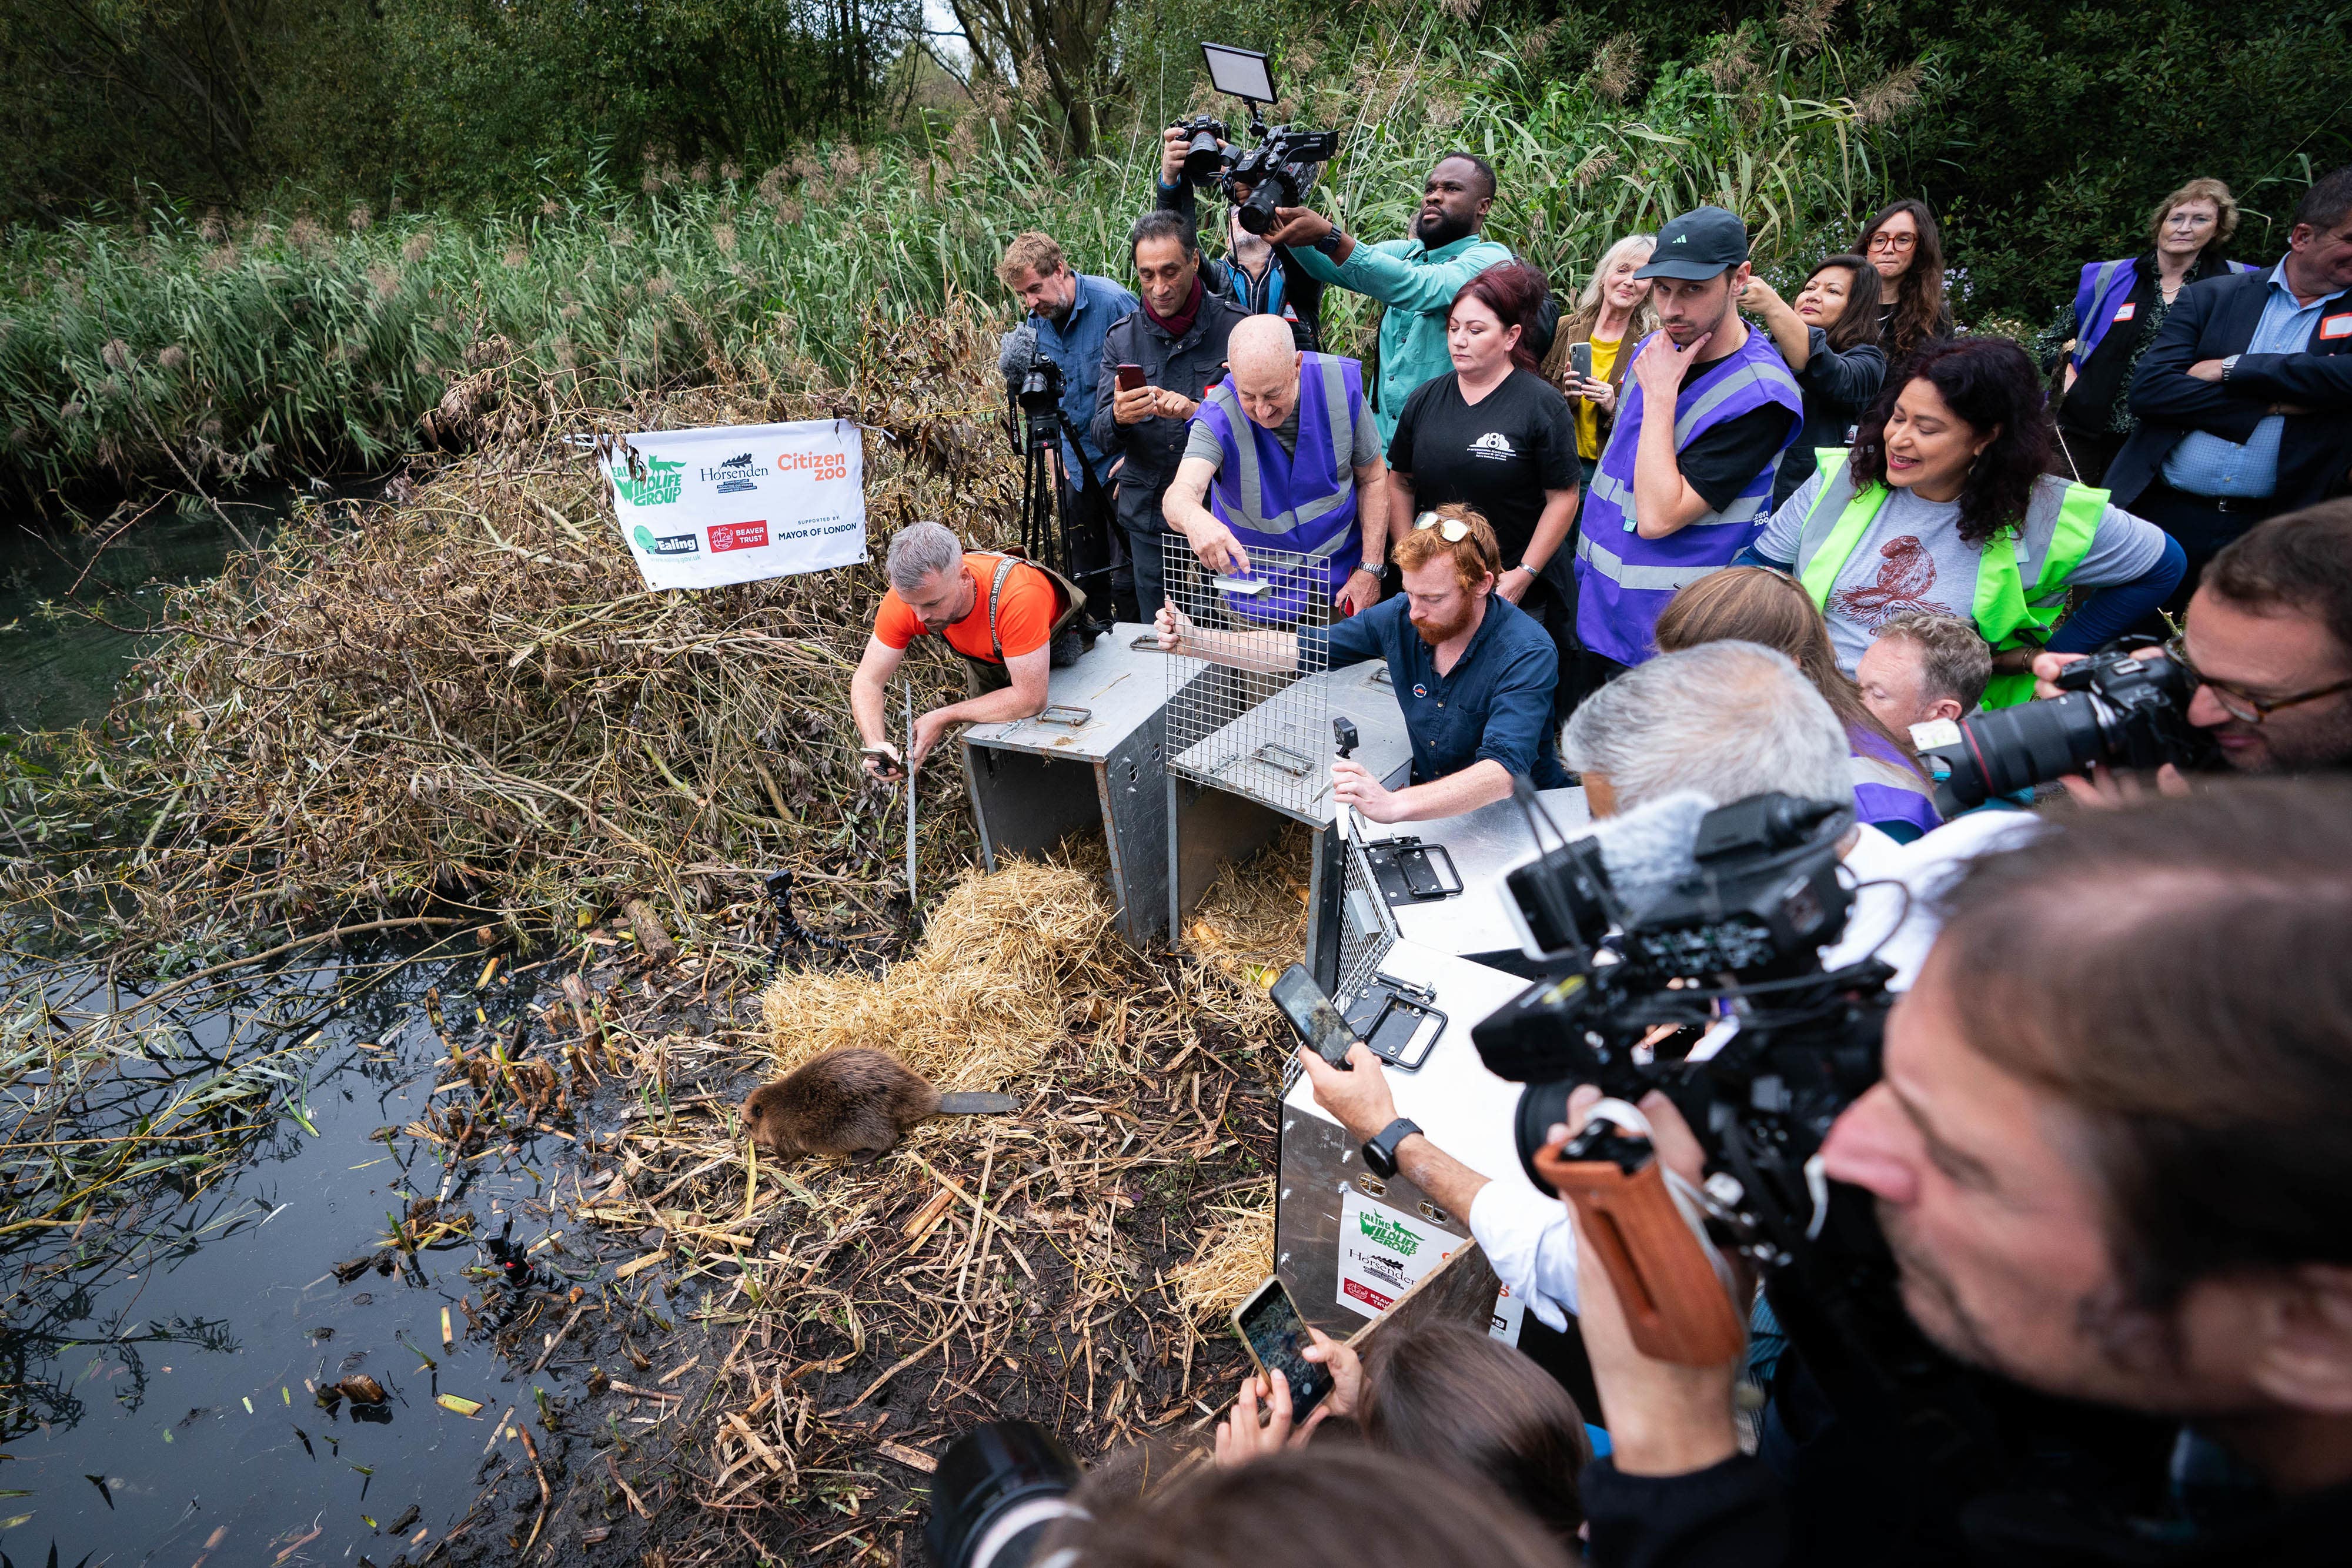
(1911, 557)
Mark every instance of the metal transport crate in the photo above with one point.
(1092, 762)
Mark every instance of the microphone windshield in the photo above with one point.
(1647, 850)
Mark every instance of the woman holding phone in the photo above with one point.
(1829, 337)
(1585, 362)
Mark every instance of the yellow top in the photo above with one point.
(1587, 418)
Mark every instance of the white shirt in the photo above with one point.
(1527, 1237)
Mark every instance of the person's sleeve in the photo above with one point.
(895, 625)
(1719, 463)
(1111, 436)
(1367, 437)
(1729, 1515)
(2163, 391)
(1177, 198)
(1556, 465)
(1532, 1246)
(1389, 278)
(1355, 638)
(1401, 443)
(2314, 381)
(1201, 441)
(1024, 613)
(2113, 610)
(1785, 528)
(1519, 709)
(1852, 378)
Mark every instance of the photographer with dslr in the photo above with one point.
(2104, 1150)
(1176, 346)
(1256, 275)
(2267, 643)
(1416, 278)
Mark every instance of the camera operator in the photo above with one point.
(1416, 278)
(2107, 1155)
(1179, 338)
(1070, 312)
(2268, 638)
(1290, 471)
(1727, 720)
(1258, 277)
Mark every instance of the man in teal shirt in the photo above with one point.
(1416, 278)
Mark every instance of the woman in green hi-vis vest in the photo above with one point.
(1944, 506)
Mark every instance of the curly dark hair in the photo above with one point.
(1986, 382)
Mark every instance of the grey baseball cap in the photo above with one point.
(1698, 244)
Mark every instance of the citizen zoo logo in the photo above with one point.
(735, 475)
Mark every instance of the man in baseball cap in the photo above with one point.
(1680, 492)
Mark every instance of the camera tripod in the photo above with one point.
(1048, 534)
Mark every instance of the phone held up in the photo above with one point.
(1130, 377)
(1269, 1325)
(1579, 358)
(1310, 1013)
(891, 767)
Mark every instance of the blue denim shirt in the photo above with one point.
(2204, 464)
(1075, 345)
(1496, 703)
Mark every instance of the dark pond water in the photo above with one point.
(163, 1406)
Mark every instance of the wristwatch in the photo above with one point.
(1329, 243)
(1380, 1151)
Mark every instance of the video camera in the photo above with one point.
(2119, 710)
(1033, 382)
(1284, 165)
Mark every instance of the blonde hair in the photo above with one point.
(1576, 326)
(1028, 253)
(2225, 208)
(1475, 555)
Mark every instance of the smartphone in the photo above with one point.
(1310, 1013)
(1270, 1326)
(1580, 358)
(1130, 377)
(882, 753)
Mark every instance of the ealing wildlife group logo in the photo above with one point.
(661, 486)
(1388, 1234)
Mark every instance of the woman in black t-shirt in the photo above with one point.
(1495, 435)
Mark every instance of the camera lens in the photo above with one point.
(997, 1491)
(1542, 1107)
(1203, 156)
(2015, 748)
(1258, 214)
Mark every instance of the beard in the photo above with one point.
(1435, 231)
(1434, 633)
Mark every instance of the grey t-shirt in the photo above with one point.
(1911, 557)
(1201, 442)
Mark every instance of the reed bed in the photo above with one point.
(203, 348)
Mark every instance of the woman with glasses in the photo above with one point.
(1907, 251)
(1944, 506)
(1496, 437)
(2119, 305)
(1829, 337)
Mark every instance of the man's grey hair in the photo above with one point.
(1727, 719)
(920, 550)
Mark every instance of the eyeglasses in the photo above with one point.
(2238, 705)
(1900, 241)
(1453, 530)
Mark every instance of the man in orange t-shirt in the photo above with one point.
(937, 589)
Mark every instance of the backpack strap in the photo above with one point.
(1004, 565)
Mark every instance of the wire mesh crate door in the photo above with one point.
(1250, 724)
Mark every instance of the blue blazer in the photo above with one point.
(2212, 320)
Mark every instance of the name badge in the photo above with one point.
(2336, 326)
(2126, 311)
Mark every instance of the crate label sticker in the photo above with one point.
(1510, 1315)
(1383, 1253)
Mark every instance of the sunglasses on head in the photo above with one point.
(1453, 530)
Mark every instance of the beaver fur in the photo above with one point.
(855, 1104)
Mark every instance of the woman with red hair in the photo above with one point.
(1495, 437)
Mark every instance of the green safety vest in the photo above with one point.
(2007, 615)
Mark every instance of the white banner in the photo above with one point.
(1384, 1252)
(701, 509)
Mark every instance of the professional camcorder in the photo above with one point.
(1034, 382)
(1280, 170)
(2119, 710)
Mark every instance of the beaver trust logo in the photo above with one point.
(659, 487)
(1388, 1233)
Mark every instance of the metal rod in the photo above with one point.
(910, 798)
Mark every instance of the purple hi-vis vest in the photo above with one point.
(1303, 502)
(1623, 581)
(1886, 788)
(2103, 301)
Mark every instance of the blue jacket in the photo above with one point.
(1075, 345)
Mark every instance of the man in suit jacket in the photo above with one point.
(2245, 397)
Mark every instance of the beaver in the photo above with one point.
(854, 1103)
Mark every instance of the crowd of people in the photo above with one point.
(1680, 533)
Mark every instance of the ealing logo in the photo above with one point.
(659, 487)
(1388, 1233)
(736, 474)
(675, 544)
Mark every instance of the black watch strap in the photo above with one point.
(1380, 1150)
